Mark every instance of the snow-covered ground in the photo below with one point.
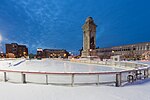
(9, 91)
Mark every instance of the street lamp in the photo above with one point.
(90, 51)
(113, 52)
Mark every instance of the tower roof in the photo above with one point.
(89, 19)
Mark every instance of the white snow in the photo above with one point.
(10, 91)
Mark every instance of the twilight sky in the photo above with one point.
(57, 23)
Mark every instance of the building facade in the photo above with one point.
(89, 38)
(39, 54)
(16, 50)
(146, 55)
(128, 52)
(52, 53)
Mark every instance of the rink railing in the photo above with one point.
(120, 77)
(120, 64)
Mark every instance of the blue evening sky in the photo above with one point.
(57, 23)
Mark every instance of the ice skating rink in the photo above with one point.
(53, 66)
(49, 65)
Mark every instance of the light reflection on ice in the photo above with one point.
(56, 66)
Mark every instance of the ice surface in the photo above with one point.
(54, 66)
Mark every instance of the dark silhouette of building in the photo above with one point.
(52, 53)
(17, 50)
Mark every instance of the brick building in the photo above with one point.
(16, 50)
(52, 53)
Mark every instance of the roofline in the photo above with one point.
(124, 45)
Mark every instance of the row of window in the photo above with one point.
(126, 49)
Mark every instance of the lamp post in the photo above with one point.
(90, 52)
(113, 52)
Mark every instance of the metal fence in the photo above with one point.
(117, 78)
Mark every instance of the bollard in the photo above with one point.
(72, 80)
(47, 79)
(23, 78)
(145, 73)
(5, 77)
(118, 79)
(98, 80)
